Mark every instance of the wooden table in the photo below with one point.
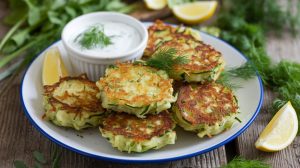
(18, 138)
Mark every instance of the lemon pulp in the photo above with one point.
(280, 132)
(195, 12)
(156, 4)
(53, 67)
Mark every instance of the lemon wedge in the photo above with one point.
(156, 4)
(195, 12)
(280, 132)
(53, 67)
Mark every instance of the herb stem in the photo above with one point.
(12, 31)
(13, 55)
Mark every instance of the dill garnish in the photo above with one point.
(166, 59)
(240, 162)
(245, 71)
(93, 37)
(226, 81)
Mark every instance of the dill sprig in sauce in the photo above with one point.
(93, 37)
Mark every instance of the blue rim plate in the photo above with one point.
(250, 98)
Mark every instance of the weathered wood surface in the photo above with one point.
(285, 47)
(18, 138)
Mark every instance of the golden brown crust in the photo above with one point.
(202, 57)
(206, 104)
(136, 128)
(170, 32)
(132, 84)
(83, 100)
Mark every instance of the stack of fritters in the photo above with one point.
(204, 62)
(145, 93)
(72, 102)
(203, 106)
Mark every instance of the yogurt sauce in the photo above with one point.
(123, 37)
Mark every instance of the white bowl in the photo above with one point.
(93, 64)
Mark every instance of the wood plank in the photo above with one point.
(19, 139)
(286, 47)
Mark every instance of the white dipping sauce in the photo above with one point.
(123, 37)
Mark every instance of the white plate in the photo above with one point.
(90, 143)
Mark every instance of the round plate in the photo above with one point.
(90, 142)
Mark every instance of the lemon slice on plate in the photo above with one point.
(280, 132)
(156, 4)
(53, 67)
(195, 12)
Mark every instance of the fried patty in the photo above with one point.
(136, 128)
(128, 133)
(207, 109)
(204, 63)
(136, 89)
(72, 102)
(160, 32)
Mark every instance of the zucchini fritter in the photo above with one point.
(129, 133)
(136, 89)
(72, 102)
(160, 32)
(206, 109)
(204, 64)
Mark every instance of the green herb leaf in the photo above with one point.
(33, 13)
(93, 37)
(245, 71)
(19, 164)
(166, 59)
(38, 156)
(71, 11)
(226, 80)
(20, 37)
(37, 165)
(239, 162)
(56, 156)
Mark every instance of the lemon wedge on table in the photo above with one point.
(280, 132)
(156, 4)
(195, 12)
(53, 67)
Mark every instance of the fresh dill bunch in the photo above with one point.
(270, 14)
(93, 37)
(285, 80)
(288, 92)
(239, 162)
(245, 71)
(166, 59)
